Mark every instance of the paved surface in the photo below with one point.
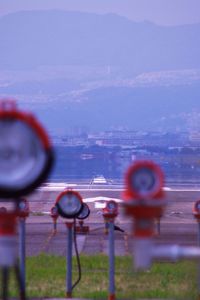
(177, 225)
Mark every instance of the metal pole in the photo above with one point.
(54, 226)
(111, 260)
(5, 274)
(198, 265)
(69, 260)
(20, 283)
(198, 236)
(158, 225)
(22, 251)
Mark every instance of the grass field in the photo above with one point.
(46, 278)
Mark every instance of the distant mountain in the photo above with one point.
(101, 71)
(151, 108)
(32, 39)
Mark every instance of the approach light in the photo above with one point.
(196, 210)
(111, 206)
(69, 204)
(197, 206)
(111, 209)
(144, 180)
(23, 208)
(54, 212)
(25, 152)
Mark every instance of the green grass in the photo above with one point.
(46, 278)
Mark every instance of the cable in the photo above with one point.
(77, 257)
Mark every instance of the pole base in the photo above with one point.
(111, 297)
(68, 295)
(82, 229)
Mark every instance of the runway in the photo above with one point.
(177, 225)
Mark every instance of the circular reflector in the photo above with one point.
(25, 154)
(197, 207)
(23, 208)
(111, 206)
(144, 180)
(69, 204)
(54, 211)
(23, 205)
(84, 212)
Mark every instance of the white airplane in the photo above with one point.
(100, 202)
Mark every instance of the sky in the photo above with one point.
(163, 12)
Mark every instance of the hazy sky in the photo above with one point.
(165, 12)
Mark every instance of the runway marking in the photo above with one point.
(43, 189)
(48, 240)
(102, 244)
(126, 243)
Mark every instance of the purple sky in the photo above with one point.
(165, 12)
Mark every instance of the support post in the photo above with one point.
(111, 240)
(158, 225)
(198, 234)
(22, 251)
(5, 274)
(54, 226)
(198, 265)
(69, 226)
(8, 253)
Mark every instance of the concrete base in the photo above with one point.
(82, 229)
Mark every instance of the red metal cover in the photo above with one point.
(54, 212)
(8, 110)
(70, 192)
(196, 209)
(111, 209)
(8, 223)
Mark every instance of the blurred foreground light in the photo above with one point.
(144, 180)
(25, 152)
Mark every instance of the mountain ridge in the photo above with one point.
(78, 69)
(54, 37)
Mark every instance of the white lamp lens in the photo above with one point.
(70, 204)
(54, 210)
(143, 181)
(111, 206)
(22, 205)
(22, 155)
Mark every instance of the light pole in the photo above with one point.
(110, 212)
